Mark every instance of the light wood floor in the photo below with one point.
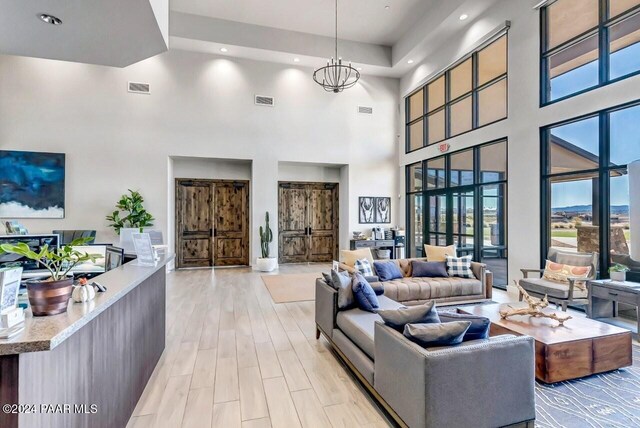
(235, 359)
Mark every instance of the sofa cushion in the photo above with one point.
(341, 281)
(359, 325)
(552, 289)
(479, 328)
(420, 269)
(422, 289)
(364, 295)
(387, 271)
(559, 272)
(349, 257)
(428, 335)
(460, 266)
(399, 317)
(437, 253)
(364, 267)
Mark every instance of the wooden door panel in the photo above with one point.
(231, 229)
(322, 211)
(293, 209)
(322, 248)
(295, 248)
(193, 223)
(196, 252)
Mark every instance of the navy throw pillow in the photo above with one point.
(364, 295)
(479, 328)
(398, 318)
(428, 335)
(387, 271)
(420, 269)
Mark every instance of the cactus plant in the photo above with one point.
(266, 236)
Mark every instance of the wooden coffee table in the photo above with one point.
(581, 347)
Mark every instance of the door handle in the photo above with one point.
(310, 230)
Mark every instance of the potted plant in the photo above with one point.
(50, 296)
(266, 263)
(130, 213)
(618, 272)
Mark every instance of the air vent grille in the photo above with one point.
(365, 110)
(139, 88)
(262, 100)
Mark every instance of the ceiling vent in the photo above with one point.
(365, 110)
(139, 88)
(262, 100)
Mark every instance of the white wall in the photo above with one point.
(524, 118)
(201, 106)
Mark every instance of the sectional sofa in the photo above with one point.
(482, 383)
(415, 291)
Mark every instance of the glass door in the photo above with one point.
(463, 221)
(438, 219)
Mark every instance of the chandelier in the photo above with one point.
(336, 76)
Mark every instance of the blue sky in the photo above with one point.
(625, 130)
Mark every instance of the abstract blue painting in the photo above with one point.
(31, 184)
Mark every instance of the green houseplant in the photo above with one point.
(618, 272)
(266, 263)
(50, 296)
(130, 213)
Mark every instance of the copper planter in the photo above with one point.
(49, 297)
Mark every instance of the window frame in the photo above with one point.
(601, 31)
(603, 172)
(476, 187)
(448, 101)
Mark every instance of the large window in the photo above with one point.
(591, 187)
(469, 95)
(461, 198)
(588, 43)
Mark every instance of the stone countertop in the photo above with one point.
(45, 333)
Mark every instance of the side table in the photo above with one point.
(605, 295)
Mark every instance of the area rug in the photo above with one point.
(294, 287)
(605, 400)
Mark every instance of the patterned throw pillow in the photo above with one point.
(460, 266)
(558, 272)
(364, 267)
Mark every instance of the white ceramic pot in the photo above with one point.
(266, 264)
(618, 276)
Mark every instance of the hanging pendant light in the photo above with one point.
(336, 76)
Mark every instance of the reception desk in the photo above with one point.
(88, 366)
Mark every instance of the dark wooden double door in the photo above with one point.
(307, 222)
(212, 223)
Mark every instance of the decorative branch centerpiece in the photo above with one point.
(534, 309)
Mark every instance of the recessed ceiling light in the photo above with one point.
(387, 7)
(296, 60)
(50, 19)
(463, 16)
(410, 61)
(224, 50)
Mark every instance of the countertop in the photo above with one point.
(45, 333)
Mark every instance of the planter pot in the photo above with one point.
(266, 264)
(618, 276)
(49, 297)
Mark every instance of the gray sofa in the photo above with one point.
(481, 383)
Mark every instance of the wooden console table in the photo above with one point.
(374, 244)
(605, 295)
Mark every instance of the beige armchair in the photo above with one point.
(560, 293)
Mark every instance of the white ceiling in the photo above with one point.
(115, 32)
(359, 20)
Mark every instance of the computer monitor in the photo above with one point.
(114, 257)
(29, 267)
(68, 236)
(89, 266)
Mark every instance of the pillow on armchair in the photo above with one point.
(558, 272)
(436, 253)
